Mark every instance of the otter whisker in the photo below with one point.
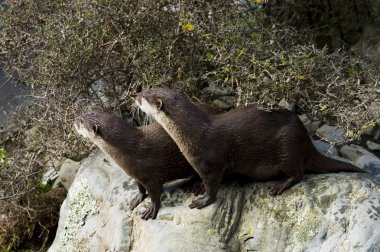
(135, 110)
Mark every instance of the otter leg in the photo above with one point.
(211, 183)
(294, 172)
(193, 185)
(139, 197)
(155, 196)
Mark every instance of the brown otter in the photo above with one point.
(148, 155)
(263, 145)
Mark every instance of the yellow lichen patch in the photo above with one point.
(188, 27)
(210, 232)
(306, 225)
(246, 232)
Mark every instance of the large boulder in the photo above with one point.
(328, 212)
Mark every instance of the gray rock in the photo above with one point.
(228, 99)
(325, 148)
(285, 104)
(353, 152)
(102, 90)
(266, 79)
(314, 126)
(328, 212)
(310, 125)
(67, 172)
(372, 146)
(32, 135)
(50, 175)
(370, 163)
(216, 91)
(331, 134)
(374, 108)
(368, 131)
(223, 105)
(376, 134)
(305, 120)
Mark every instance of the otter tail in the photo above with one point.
(323, 164)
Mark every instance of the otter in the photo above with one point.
(260, 144)
(148, 155)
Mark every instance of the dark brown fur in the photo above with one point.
(148, 155)
(263, 145)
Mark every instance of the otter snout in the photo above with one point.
(80, 128)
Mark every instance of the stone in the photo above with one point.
(331, 134)
(374, 108)
(310, 125)
(285, 104)
(216, 91)
(67, 172)
(353, 152)
(221, 104)
(325, 212)
(102, 90)
(370, 163)
(314, 126)
(32, 136)
(49, 176)
(228, 99)
(368, 131)
(376, 135)
(372, 146)
(325, 148)
(306, 121)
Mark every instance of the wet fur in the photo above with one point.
(147, 154)
(262, 145)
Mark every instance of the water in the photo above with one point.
(12, 95)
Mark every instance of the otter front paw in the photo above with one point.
(276, 188)
(202, 202)
(151, 212)
(137, 200)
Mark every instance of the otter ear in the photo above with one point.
(96, 129)
(159, 104)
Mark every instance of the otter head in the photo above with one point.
(89, 125)
(161, 102)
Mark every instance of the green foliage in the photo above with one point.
(2, 155)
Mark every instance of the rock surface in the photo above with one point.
(328, 212)
(325, 148)
(286, 105)
(331, 134)
(67, 172)
(373, 146)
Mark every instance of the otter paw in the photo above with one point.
(150, 213)
(276, 188)
(201, 202)
(137, 200)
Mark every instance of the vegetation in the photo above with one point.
(62, 49)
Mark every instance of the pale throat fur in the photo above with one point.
(161, 118)
(173, 128)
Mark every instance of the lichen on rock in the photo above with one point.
(82, 205)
